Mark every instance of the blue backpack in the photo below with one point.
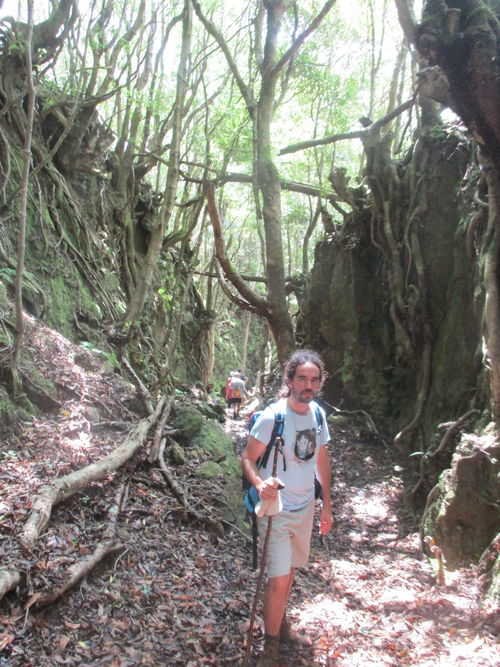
(251, 495)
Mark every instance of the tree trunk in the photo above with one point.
(207, 343)
(464, 44)
(265, 177)
(209, 354)
(492, 299)
(138, 299)
(244, 346)
(16, 380)
(269, 186)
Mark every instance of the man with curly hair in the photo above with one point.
(303, 456)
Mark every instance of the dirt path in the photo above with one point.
(178, 595)
(368, 597)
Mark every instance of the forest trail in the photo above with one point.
(368, 596)
(177, 594)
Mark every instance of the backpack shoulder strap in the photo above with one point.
(277, 432)
(279, 424)
(319, 415)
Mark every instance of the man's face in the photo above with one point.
(306, 383)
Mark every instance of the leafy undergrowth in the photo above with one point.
(176, 594)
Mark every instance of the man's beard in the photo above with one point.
(305, 396)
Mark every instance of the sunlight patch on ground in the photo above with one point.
(468, 652)
(327, 611)
(396, 595)
(370, 502)
(465, 653)
(80, 442)
(360, 657)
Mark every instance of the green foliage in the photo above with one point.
(109, 355)
(134, 79)
(16, 46)
(232, 137)
(7, 274)
(9, 455)
(166, 298)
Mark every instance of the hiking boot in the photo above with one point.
(270, 656)
(291, 636)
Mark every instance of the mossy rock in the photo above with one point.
(176, 454)
(234, 510)
(188, 419)
(232, 502)
(11, 413)
(224, 465)
(218, 446)
(209, 470)
(213, 411)
(493, 592)
(462, 512)
(39, 390)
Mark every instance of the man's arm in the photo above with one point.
(324, 474)
(266, 489)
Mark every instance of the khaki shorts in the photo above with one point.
(290, 539)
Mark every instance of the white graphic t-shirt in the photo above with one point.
(303, 437)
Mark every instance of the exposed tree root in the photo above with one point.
(141, 388)
(155, 447)
(75, 574)
(423, 393)
(81, 568)
(64, 487)
(450, 432)
(369, 420)
(179, 494)
(9, 579)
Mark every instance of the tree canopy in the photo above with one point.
(174, 95)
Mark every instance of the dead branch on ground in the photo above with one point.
(155, 447)
(9, 579)
(141, 387)
(65, 487)
(81, 568)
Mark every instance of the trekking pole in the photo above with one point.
(262, 566)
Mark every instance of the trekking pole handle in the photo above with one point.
(277, 442)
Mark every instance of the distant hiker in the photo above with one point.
(290, 537)
(238, 393)
(228, 390)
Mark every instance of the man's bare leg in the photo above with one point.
(275, 601)
(287, 633)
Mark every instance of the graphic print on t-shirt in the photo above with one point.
(305, 443)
